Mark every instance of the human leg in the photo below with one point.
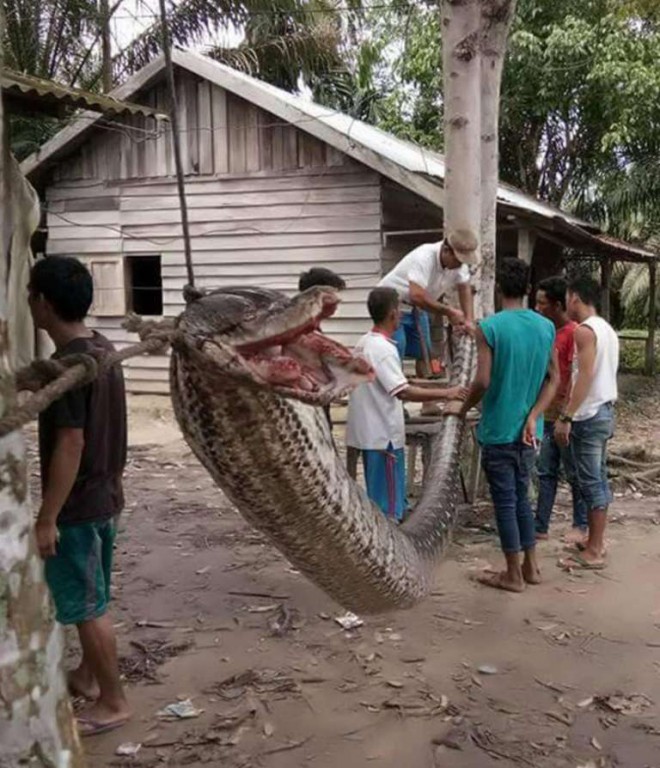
(580, 522)
(79, 579)
(499, 464)
(97, 638)
(399, 338)
(588, 450)
(548, 473)
(524, 515)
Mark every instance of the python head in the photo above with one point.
(263, 338)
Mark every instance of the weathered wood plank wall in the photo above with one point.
(220, 133)
(266, 202)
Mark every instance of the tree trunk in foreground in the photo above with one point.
(36, 723)
(462, 122)
(496, 17)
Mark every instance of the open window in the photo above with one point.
(144, 285)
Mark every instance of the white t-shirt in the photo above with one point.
(603, 386)
(422, 266)
(375, 414)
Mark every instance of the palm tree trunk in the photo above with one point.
(36, 723)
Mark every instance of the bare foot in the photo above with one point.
(99, 718)
(500, 581)
(531, 575)
(80, 685)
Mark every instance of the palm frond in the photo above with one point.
(635, 295)
(292, 24)
(281, 59)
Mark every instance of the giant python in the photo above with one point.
(249, 369)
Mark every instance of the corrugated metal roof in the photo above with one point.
(352, 134)
(418, 169)
(604, 244)
(22, 86)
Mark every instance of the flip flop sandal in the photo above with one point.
(88, 727)
(576, 562)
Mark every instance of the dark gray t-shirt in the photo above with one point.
(99, 409)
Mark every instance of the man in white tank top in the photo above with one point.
(587, 422)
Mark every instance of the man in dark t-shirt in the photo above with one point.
(82, 449)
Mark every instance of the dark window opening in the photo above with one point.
(145, 285)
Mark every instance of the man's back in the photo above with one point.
(521, 342)
(99, 409)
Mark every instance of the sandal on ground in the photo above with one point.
(577, 562)
(89, 727)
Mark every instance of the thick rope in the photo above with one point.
(50, 379)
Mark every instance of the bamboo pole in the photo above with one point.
(176, 141)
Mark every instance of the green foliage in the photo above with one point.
(284, 40)
(632, 353)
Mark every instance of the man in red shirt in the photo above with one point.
(551, 303)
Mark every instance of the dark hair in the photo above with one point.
(555, 289)
(320, 276)
(66, 285)
(587, 289)
(513, 278)
(381, 302)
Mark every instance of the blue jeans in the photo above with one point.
(551, 458)
(508, 468)
(407, 338)
(588, 446)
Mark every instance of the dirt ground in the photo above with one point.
(566, 674)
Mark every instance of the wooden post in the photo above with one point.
(605, 281)
(176, 142)
(650, 339)
(526, 242)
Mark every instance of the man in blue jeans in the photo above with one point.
(551, 303)
(587, 422)
(516, 377)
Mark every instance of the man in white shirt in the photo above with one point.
(375, 424)
(587, 422)
(423, 275)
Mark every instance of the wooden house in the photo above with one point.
(275, 184)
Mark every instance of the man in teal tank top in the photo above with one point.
(517, 375)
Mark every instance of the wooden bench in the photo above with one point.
(420, 432)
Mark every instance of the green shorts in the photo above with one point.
(79, 574)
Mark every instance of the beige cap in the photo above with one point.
(464, 244)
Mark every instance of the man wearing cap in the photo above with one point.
(424, 274)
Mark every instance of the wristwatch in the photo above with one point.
(565, 418)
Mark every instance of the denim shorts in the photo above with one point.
(588, 445)
(407, 337)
